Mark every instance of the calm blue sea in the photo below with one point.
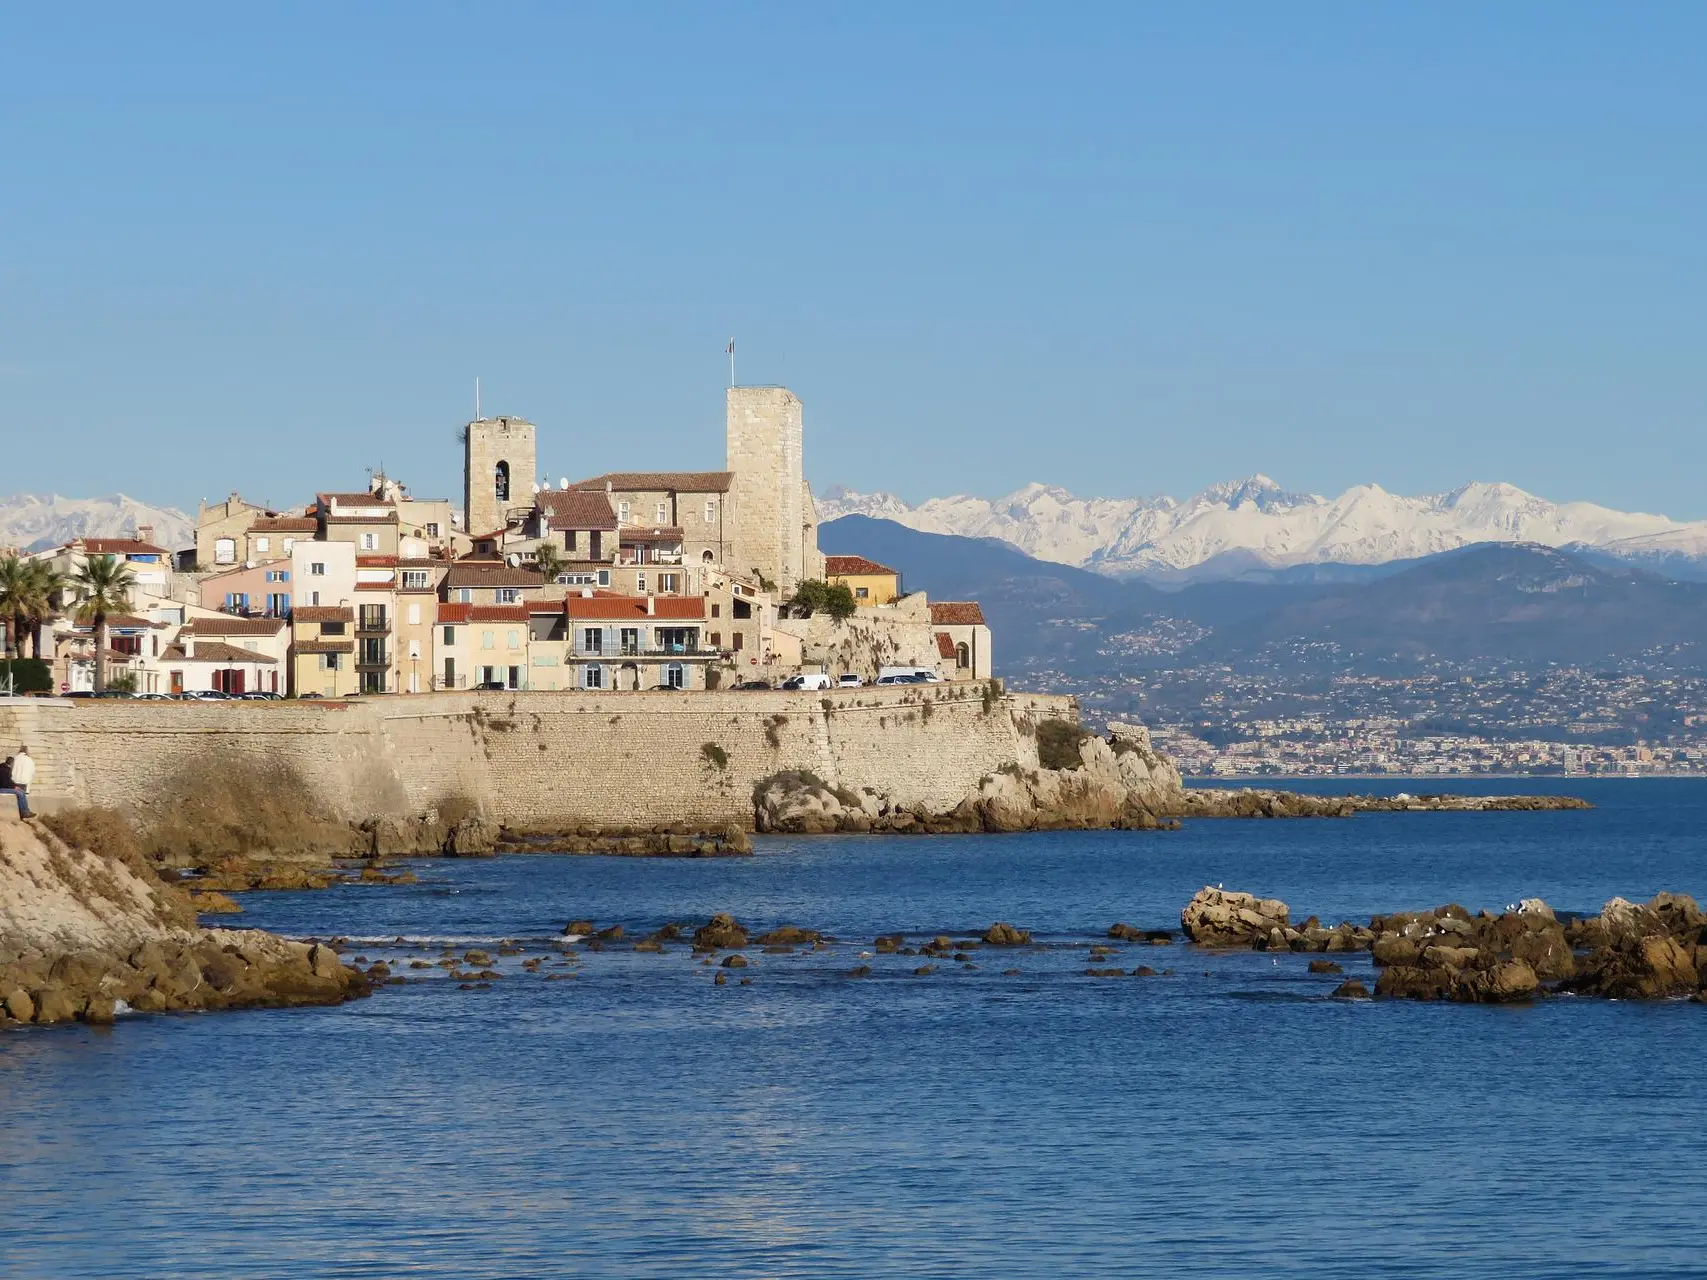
(636, 1120)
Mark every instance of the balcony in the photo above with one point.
(373, 623)
(639, 560)
(621, 652)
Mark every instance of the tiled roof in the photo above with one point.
(234, 626)
(325, 646)
(855, 567)
(387, 585)
(576, 508)
(285, 524)
(324, 613)
(215, 651)
(633, 608)
(341, 518)
(491, 573)
(951, 613)
(463, 613)
(357, 500)
(121, 547)
(376, 562)
(944, 644)
(644, 481)
(130, 620)
(657, 533)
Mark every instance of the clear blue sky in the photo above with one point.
(1126, 248)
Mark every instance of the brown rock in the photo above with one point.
(1002, 934)
(1325, 966)
(18, 1004)
(736, 961)
(720, 933)
(1351, 989)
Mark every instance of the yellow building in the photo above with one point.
(322, 651)
(872, 584)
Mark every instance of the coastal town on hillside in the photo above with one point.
(628, 581)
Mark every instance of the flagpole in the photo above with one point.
(731, 362)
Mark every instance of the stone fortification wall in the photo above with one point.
(545, 759)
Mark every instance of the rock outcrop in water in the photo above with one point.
(1630, 950)
(85, 935)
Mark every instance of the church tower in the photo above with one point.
(498, 471)
(775, 526)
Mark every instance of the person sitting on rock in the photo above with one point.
(22, 773)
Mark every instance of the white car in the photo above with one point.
(850, 681)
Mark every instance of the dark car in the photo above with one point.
(491, 685)
(752, 684)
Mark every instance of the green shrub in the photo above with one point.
(1058, 744)
(715, 755)
(31, 675)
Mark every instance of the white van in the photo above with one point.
(925, 675)
(807, 680)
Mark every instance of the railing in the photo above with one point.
(630, 560)
(373, 625)
(647, 651)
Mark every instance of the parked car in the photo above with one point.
(752, 684)
(491, 685)
(151, 697)
(925, 674)
(113, 693)
(311, 694)
(908, 678)
(203, 695)
(807, 680)
(850, 681)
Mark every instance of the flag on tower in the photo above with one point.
(730, 349)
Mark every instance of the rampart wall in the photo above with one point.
(549, 759)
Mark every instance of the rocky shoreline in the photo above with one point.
(86, 937)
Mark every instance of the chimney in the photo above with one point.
(187, 638)
(145, 533)
(586, 593)
(651, 605)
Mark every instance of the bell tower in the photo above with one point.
(499, 467)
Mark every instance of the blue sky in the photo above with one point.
(1126, 248)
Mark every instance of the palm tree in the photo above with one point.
(14, 582)
(40, 601)
(547, 561)
(103, 586)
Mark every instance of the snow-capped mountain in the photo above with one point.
(1256, 526)
(32, 521)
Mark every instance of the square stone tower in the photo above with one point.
(499, 468)
(775, 526)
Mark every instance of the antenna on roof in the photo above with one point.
(477, 397)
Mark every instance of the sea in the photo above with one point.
(1224, 1117)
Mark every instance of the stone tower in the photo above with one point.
(775, 526)
(498, 472)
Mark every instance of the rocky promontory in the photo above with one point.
(88, 936)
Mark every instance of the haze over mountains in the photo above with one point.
(1255, 529)
(33, 521)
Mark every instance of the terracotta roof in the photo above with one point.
(411, 562)
(285, 524)
(324, 613)
(855, 567)
(657, 533)
(219, 574)
(121, 547)
(951, 613)
(376, 562)
(944, 644)
(576, 508)
(357, 499)
(341, 518)
(633, 608)
(491, 573)
(215, 651)
(486, 537)
(455, 613)
(387, 585)
(325, 646)
(234, 626)
(681, 481)
(130, 620)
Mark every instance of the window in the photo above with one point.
(862, 593)
(225, 550)
(261, 544)
(414, 615)
(370, 542)
(450, 635)
(592, 677)
(711, 510)
(739, 640)
(678, 639)
(509, 595)
(372, 653)
(667, 583)
(278, 575)
(125, 644)
(640, 582)
(593, 640)
(622, 512)
(278, 604)
(313, 597)
(631, 640)
(485, 639)
(515, 639)
(716, 639)
(569, 536)
(501, 482)
(604, 577)
(415, 580)
(962, 655)
(329, 661)
(432, 528)
(662, 513)
(236, 602)
(464, 595)
(317, 569)
(372, 618)
(675, 676)
(373, 682)
(716, 610)
(331, 628)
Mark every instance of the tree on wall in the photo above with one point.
(27, 592)
(103, 584)
(547, 560)
(815, 596)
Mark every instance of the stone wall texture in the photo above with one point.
(548, 759)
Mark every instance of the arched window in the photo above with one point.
(501, 482)
(707, 556)
(962, 655)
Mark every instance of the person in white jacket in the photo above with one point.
(23, 773)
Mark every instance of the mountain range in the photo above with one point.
(34, 521)
(1255, 530)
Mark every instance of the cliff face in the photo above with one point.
(84, 936)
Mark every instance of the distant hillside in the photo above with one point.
(1488, 601)
(31, 521)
